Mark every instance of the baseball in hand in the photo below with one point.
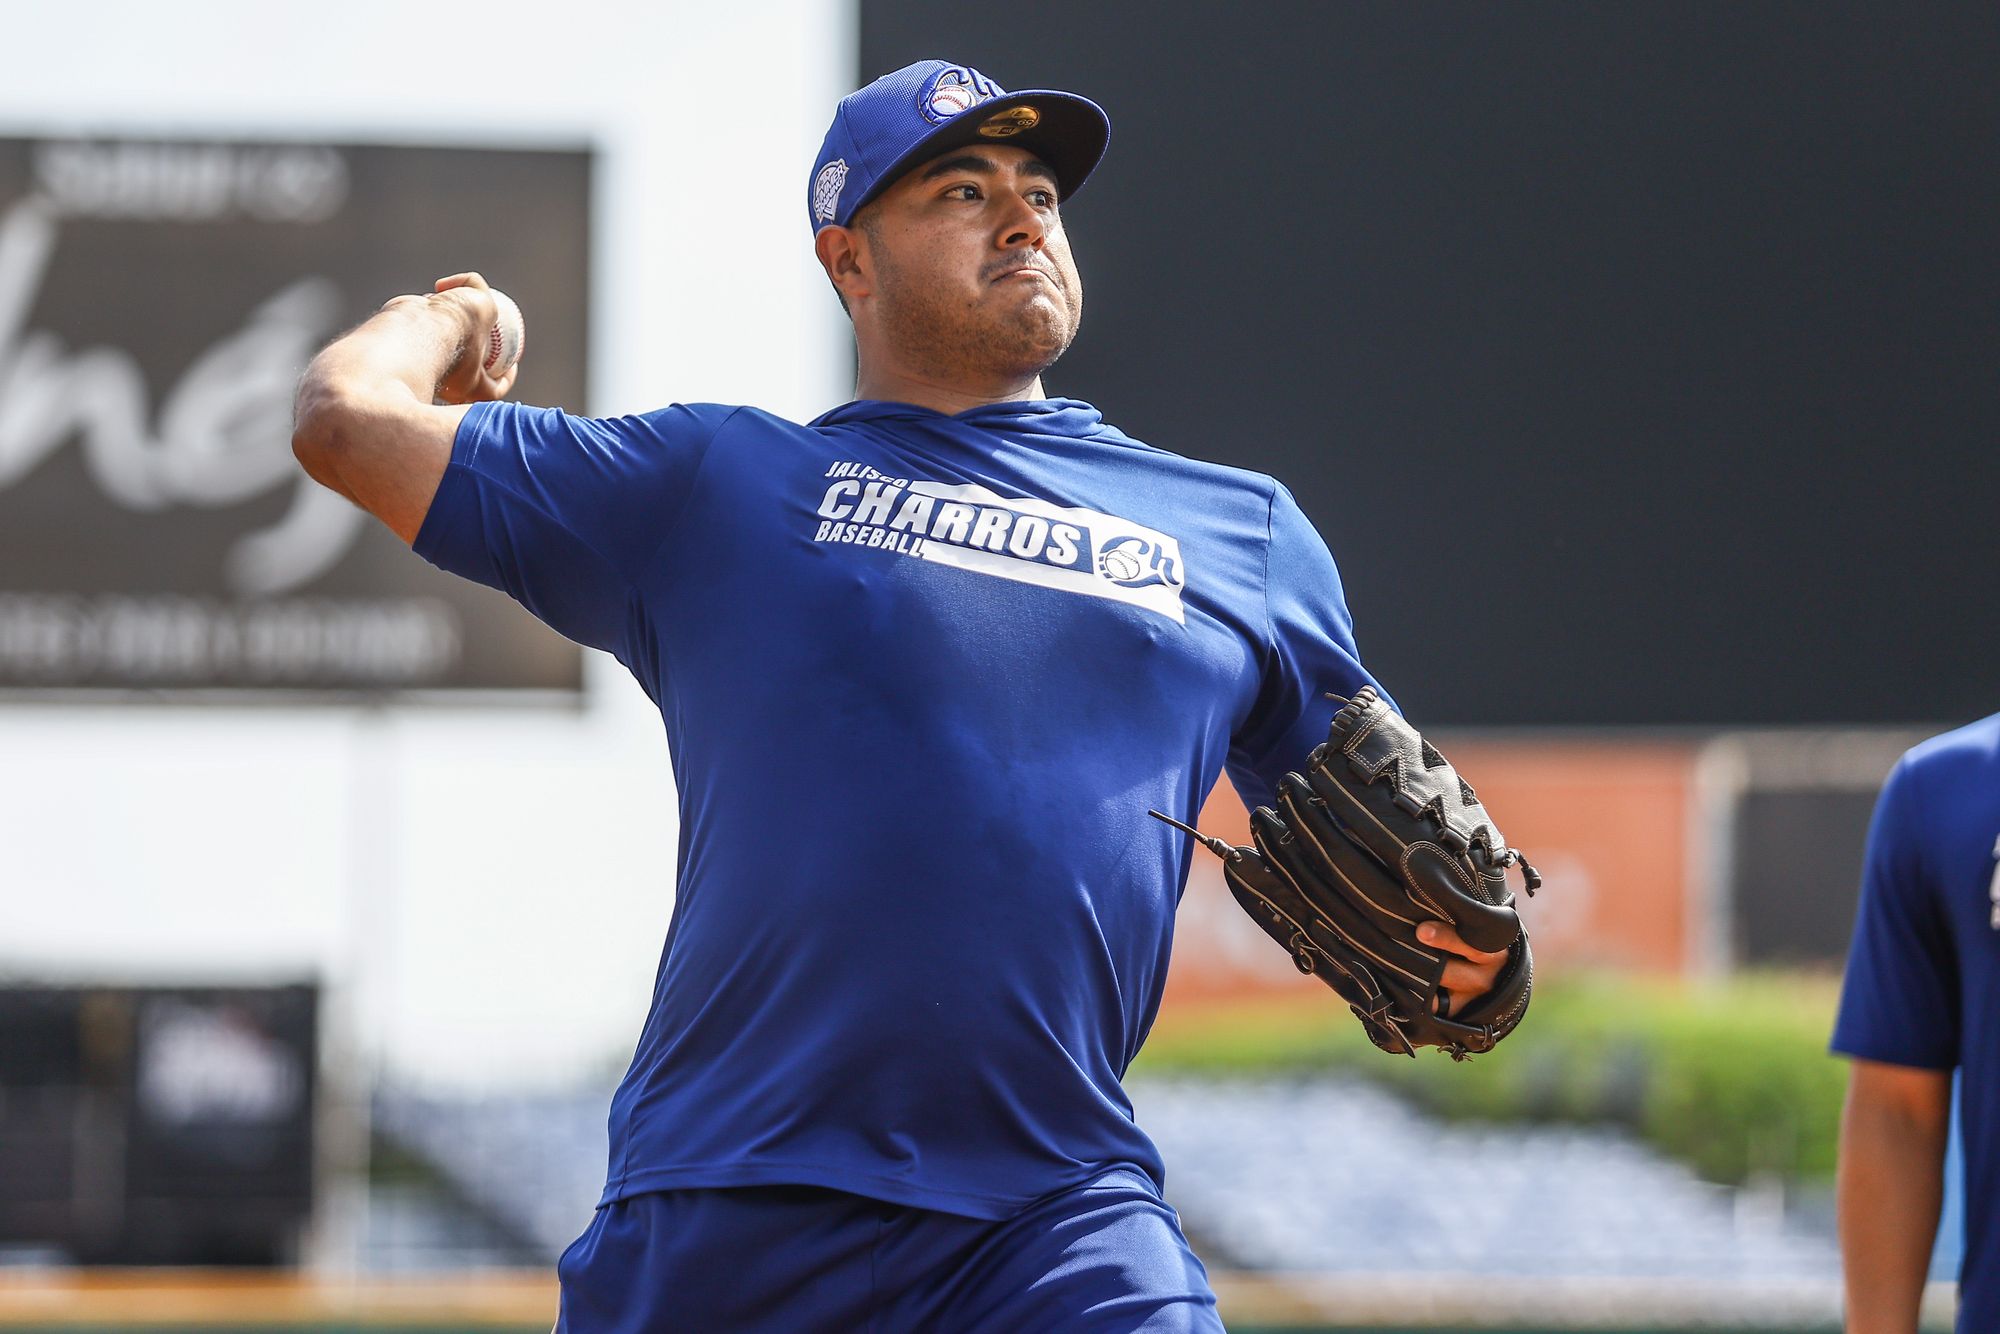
(507, 336)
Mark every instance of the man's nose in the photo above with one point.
(1023, 226)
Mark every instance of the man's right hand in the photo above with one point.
(467, 381)
(378, 409)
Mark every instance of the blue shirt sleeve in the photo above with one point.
(1899, 1002)
(1310, 652)
(561, 512)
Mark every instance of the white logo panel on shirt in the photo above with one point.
(1031, 541)
(1993, 889)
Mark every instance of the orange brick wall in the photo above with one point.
(1606, 823)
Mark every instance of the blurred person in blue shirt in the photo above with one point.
(1922, 1000)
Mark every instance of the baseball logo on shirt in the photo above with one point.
(1133, 562)
(1030, 541)
(1120, 566)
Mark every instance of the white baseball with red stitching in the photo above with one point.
(506, 338)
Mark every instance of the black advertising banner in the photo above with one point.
(158, 1125)
(158, 301)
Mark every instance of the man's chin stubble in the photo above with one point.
(1014, 350)
(1031, 346)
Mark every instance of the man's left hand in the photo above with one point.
(1466, 981)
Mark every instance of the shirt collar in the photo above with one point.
(1041, 416)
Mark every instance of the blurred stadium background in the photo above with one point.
(331, 891)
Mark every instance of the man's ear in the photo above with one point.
(843, 254)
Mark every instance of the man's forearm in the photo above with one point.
(1891, 1187)
(412, 345)
(367, 424)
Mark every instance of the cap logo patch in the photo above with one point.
(826, 189)
(1002, 124)
(953, 89)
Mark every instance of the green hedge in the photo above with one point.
(1732, 1078)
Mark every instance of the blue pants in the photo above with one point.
(1107, 1256)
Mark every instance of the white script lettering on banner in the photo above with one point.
(222, 433)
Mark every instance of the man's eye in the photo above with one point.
(1043, 198)
(971, 191)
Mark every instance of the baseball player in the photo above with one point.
(1920, 1000)
(925, 663)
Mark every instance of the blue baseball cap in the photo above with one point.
(921, 110)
